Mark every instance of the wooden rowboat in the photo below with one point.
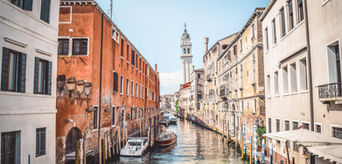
(166, 138)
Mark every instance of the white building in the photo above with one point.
(186, 56)
(28, 63)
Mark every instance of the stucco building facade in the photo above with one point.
(107, 90)
(28, 66)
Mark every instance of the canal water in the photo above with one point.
(194, 145)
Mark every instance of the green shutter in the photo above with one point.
(22, 72)
(36, 74)
(28, 5)
(4, 69)
(45, 11)
(49, 75)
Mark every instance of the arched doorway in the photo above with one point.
(74, 135)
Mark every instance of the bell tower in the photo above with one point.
(186, 56)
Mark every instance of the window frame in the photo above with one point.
(68, 48)
(121, 84)
(40, 152)
(95, 122)
(72, 46)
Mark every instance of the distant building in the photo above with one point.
(211, 86)
(28, 66)
(197, 80)
(186, 56)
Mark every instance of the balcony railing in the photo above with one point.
(330, 92)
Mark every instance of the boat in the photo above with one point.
(173, 120)
(165, 121)
(166, 138)
(135, 147)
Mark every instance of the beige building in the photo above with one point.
(296, 47)
(197, 79)
(28, 67)
(211, 87)
(241, 81)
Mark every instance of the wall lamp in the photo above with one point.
(71, 85)
(80, 87)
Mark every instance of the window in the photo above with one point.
(303, 74)
(121, 85)
(291, 22)
(268, 85)
(115, 35)
(95, 113)
(132, 90)
(269, 125)
(253, 33)
(278, 125)
(127, 53)
(337, 132)
(306, 126)
(235, 50)
(266, 39)
(45, 11)
(198, 76)
(113, 115)
(139, 91)
(295, 125)
(80, 46)
(274, 31)
(282, 21)
(334, 63)
(293, 75)
(13, 72)
(122, 47)
(24, 4)
(276, 83)
(115, 82)
(42, 76)
(285, 79)
(132, 57)
(10, 147)
(127, 87)
(188, 50)
(132, 113)
(63, 46)
(287, 125)
(40, 142)
(300, 10)
(318, 128)
(136, 89)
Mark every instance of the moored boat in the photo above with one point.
(135, 147)
(166, 138)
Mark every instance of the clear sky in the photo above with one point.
(155, 28)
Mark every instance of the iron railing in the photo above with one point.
(330, 90)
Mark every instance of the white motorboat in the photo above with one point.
(135, 147)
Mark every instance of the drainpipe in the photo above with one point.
(309, 64)
(100, 93)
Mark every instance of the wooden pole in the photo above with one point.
(250, 152)
(77, 153)
(103, 151)
(287, 152)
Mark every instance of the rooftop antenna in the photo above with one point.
(184, 27)
(111, 9)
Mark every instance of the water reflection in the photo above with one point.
(194, 145)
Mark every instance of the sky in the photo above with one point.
(155, 28)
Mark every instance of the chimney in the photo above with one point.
(155, 68)
(206, 40)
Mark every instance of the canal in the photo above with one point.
(194, 145)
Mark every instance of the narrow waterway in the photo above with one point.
(194, 145)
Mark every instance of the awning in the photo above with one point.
(304, 137)
(331, 153)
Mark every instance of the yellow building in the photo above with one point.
(241, 81)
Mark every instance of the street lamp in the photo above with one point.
(80, 87)
(87, 91)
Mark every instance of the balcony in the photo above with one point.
(330, 92)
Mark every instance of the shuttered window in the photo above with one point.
(95, 113)
(13, 73)
(115, 82)
(40, 142)
(63, 46)
(24, 4)
(80, 46)
(45, 11)
(42, 76)
(132, 58)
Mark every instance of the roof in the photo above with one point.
(304, 137)
(268, 8)
(185, 35)
(331, 153)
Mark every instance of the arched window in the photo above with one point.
(188, 50)
(184, 51)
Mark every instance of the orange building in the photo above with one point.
(106, 89)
